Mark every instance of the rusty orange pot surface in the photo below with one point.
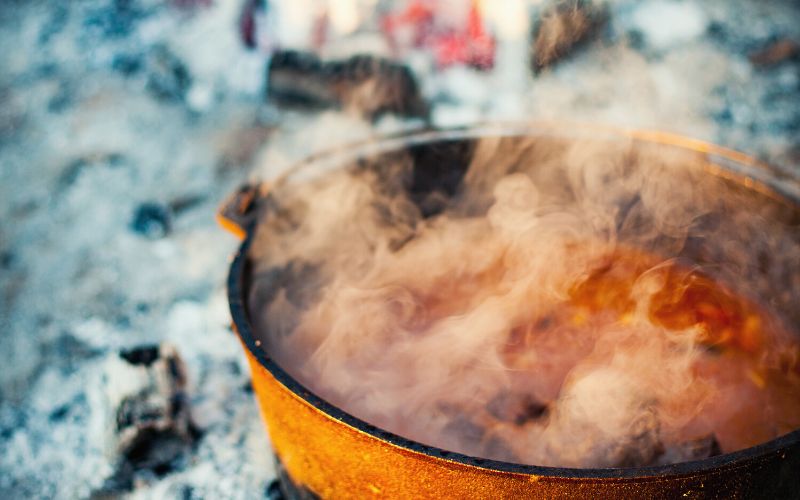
(329, 453)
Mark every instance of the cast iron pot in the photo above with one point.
(323, 451)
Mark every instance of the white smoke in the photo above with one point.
(549, 313)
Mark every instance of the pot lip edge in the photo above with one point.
(235, 289)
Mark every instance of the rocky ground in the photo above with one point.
(123, 125)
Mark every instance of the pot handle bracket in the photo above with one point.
(237, 214)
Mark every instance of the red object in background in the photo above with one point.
(247, 22)
(473, 45)
(418, 16)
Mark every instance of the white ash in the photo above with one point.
(665, 24)
(82, 144)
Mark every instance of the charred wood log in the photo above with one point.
(366, 85)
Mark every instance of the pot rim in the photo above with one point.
(733, 165)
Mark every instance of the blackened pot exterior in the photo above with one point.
(331, 454)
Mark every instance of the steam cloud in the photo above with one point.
(585, 303)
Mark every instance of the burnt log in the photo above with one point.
(366, 85)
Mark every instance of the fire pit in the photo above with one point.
(636, 292)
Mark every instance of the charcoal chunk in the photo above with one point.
(367, 85)
(642, 447)
(168, 78)
(116, 20)
(694, 449)
(71, 351)
(155, 450)
(127, 64)
(149, 428)
(152, 220)
(776, 52)
(274, 491)
(7, 259)
(59, 413)
(75, 168)
(142, 355)
(563, 28)
(438, 174)
(185, 203)
(516, 408)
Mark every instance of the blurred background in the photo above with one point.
(125, 123)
